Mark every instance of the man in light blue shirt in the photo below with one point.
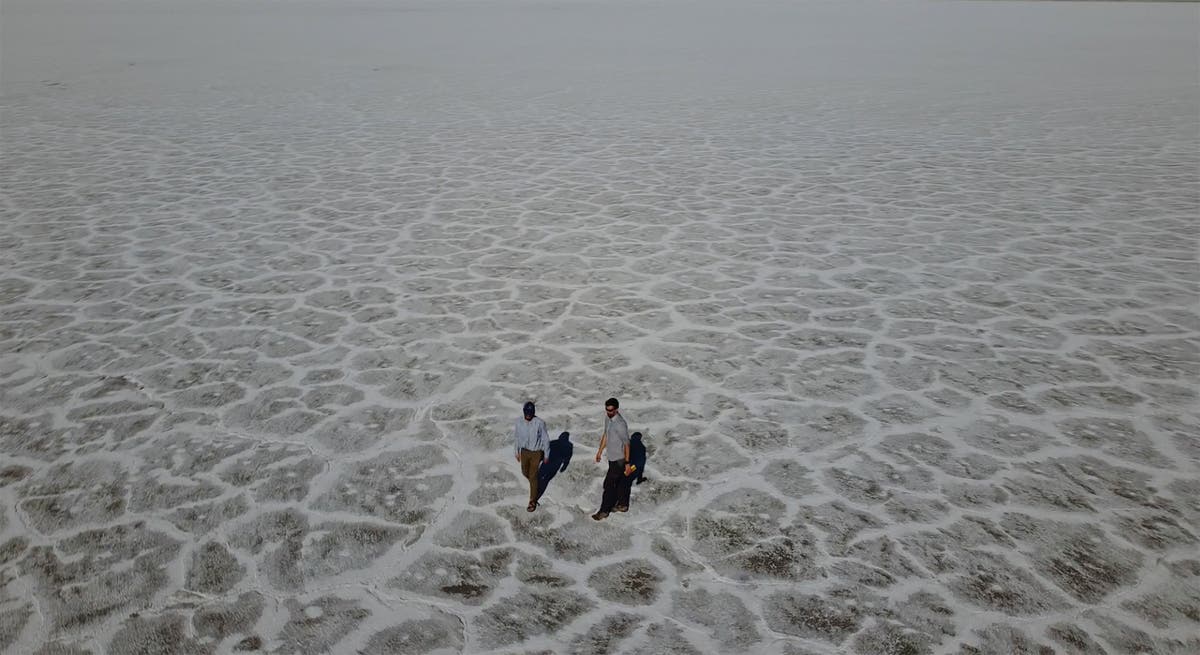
(530, 443)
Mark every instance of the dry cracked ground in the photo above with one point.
(913, 380)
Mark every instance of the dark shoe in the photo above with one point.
(641, 480)
(600, 516)
(532, 506)
(621, 508)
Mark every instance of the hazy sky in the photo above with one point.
(605, 50)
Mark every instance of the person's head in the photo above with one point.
(610, 406)
(636, 436)
(528, 410)
(565, 436)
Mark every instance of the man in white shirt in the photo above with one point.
(530, 444)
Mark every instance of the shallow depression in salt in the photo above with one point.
(902, 295)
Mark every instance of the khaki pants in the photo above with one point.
(531, 461)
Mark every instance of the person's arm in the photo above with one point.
(517, 442)
(627, 462)
(603, 442)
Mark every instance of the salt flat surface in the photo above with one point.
(903, 295)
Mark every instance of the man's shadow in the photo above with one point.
(637, 457)
(560, 455)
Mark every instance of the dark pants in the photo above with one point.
(616, 487)
(531, 460)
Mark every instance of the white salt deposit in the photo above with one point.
(903, 297)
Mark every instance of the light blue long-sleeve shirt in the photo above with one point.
(531, 435)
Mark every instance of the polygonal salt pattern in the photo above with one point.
(912, 333)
